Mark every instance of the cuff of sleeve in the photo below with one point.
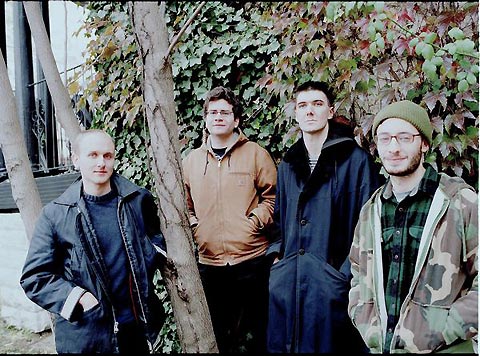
(193, 221)
(161, 251)
(71, 302)
(453, 329)
(261, 225)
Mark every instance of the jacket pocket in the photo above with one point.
(421, 328)
(93, 333)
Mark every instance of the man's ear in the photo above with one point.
(331, 112)
(425, 146)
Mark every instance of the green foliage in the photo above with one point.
(372, 53)
(223, 46)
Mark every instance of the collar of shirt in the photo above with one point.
(428, 184)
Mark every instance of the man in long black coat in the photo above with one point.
(323, 181)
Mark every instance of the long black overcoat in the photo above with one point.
(316, 216)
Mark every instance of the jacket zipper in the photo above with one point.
(115, 322)
(122, 231)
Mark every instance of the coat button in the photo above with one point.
(301, 251)
(303, 222)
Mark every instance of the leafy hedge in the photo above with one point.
(371, 52)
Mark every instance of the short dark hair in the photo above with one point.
(228, 95)
(315, 85)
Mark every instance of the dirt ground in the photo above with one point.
(17, 341)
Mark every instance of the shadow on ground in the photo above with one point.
(18, 341)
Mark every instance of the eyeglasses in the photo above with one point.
(223, 113)
(402, 138)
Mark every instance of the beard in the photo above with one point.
(413, 165)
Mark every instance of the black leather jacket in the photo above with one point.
(64, 261)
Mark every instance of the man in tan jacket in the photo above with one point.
(230, 185)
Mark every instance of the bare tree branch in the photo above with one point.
(12, 144)
(184, 28)
(60, 96)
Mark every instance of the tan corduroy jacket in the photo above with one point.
(230, 201)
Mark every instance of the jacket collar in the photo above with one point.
(337, 146)
(241, 139)
(73, 193)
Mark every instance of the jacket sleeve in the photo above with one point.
(354, 258)
(265, 183)
(369, 179)
(190, 206)
(152, 224)
(462, 320)
(276, 244)
(42, 277)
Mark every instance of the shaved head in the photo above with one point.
(77, 143)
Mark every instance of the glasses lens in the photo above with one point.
(405, 137)
(222, 113)
(383, 139)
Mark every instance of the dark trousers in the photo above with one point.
(237, 298)
(132, 340)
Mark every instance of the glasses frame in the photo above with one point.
(223, 113)
(400, 142)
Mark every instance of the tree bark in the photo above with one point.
(63, 104)
(12, 144)
(182, 277)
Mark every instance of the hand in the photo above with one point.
(255, 220)
(88, 301)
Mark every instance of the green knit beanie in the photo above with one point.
(408, 111)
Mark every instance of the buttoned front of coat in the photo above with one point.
(316, 215)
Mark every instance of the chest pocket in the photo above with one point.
(241, 179)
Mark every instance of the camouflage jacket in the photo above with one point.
(441, 308)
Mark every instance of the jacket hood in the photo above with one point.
(73, 193)
(338, 146)
(241, 139)
(207, 147)
(451, 186)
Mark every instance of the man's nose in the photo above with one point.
(310, 108)
(393, 145)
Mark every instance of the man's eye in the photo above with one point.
(383, 139)
(302, 105)
(317, 104)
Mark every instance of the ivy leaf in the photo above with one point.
(458, 169)
(432, 98)
(457, 119)
(443, 148)
(437, 123)
(223, 61)
(401, 45)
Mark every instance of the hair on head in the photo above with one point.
(229, 96)
(316, 85)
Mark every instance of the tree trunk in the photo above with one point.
(181, 275)
(63, 103)
(12, 144)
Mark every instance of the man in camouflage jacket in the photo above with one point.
(414, 254)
